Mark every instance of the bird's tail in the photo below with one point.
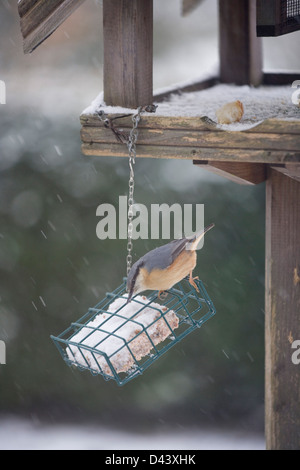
(195, 239)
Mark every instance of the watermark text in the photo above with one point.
(161, 221)
(296, 354)
(2, 92)
(2, 352)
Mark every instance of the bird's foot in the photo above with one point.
(192, 281)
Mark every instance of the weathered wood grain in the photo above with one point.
(282, 325)
(153, 122)
(240, 49)
(192, 153)
(239, 172)
(25, 5)
(191, 123)
(292, 170)
(40, 18)
(128, 56)
(37, 14)
(200, 139)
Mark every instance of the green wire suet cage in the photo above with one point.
(120, 340)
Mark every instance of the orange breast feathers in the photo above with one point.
(163, 279)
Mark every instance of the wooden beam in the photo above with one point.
(239, 172)
(128, 52)
(282, 381)
(292, 170)
(271, 142)
(288, 78)
(40, 18)
(189, 153)
(201, 139)
(240, 49)
(189, 123)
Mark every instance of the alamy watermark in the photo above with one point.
(2, 352)
(296, 354)
(2, 92)
(296, 93)
(161, 221)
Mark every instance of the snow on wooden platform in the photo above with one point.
(260, 104)
(184, 126)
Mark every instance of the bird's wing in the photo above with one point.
(178, 247)
(163, 256)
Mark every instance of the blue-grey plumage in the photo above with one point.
(161, 268)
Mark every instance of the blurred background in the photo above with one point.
(53, 267)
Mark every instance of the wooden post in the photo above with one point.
(239, 172)
(128, 52)
(240, 49)
(282, 381)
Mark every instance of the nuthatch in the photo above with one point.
(161, 268)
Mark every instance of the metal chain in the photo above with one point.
(131, 144)
(131, 141)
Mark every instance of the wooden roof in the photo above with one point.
(40, 18)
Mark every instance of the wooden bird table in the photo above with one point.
(267, 149)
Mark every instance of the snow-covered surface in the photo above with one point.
(99, 103)
(19, 434)
(109, 333)
(260, 103)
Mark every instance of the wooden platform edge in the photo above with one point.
(190, 153)
(197, 139)
(201, 123)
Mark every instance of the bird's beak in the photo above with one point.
(206, 229)
(129, 298)
(195, 242)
